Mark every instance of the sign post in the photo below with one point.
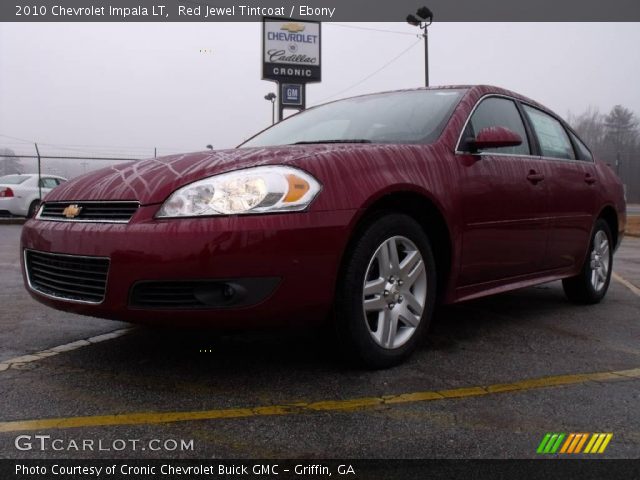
(291, 57)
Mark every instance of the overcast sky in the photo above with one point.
(125, 87)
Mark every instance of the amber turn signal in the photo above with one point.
(297, 188)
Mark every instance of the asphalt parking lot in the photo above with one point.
(495, 375)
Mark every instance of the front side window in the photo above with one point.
(552, 137)
(498, 112)
(417, 116)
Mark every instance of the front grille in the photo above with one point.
(69, 277)
(115, 212)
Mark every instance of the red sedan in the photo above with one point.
(363, 212)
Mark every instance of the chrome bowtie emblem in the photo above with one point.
(72, 211)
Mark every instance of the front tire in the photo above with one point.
(591, 284)
(386, 295)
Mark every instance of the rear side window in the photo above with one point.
(552, 137)
(499, 112)
(581, 149)
(49, 183)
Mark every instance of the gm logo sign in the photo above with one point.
(291, 94)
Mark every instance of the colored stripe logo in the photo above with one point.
(569, 443)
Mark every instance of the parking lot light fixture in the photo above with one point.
(272, 98)
(422, 19)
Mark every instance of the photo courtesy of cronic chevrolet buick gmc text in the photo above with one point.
(361, 212)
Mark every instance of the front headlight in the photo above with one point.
(253, 190)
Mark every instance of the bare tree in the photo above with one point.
(590, 127)
(615, 139)
(622, 134)
(9, 163)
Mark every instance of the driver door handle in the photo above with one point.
(535, 177)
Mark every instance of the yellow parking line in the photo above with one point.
(151, 418)
(626, 283)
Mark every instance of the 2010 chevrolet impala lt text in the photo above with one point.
(363, 212)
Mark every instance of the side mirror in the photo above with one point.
(493, 137)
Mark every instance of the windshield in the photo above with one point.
(416, 116)
(13, 179)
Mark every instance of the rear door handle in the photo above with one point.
(535, 177)
(590, 179)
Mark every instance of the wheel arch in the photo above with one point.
(35, 199)
(421, 206)
(609, 215)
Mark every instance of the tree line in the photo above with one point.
(8, 163)
(614, 138)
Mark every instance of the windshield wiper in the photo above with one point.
(351, 140)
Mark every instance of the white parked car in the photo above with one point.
(20, 194)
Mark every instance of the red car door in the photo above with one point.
(504, 200)
(572, 183)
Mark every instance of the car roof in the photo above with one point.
(480, 89)
(32, 176)
(48, 175)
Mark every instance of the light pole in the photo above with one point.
(272, 98)
(422, 19)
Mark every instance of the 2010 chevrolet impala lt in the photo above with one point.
(363, 212)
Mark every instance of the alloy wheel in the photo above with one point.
(600, 261)
(394, 292)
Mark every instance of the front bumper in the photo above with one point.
(301, 250)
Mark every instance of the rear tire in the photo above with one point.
(33, 209)
(591, 284)
(387, 291)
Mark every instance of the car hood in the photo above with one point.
(152, 181)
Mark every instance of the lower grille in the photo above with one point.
(189, 294)
(69, 277)
(181, 294)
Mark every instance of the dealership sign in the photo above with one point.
(291, 50)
